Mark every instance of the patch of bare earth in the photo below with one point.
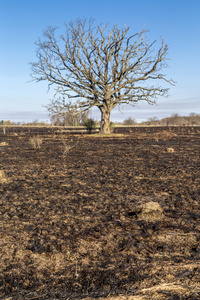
(112, 218)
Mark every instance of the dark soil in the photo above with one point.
(90, 216)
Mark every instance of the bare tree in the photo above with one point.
(129, 121)
(96, 66)
(65, 113)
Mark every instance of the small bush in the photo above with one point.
(36, 142)
(90, 124)
(111, 126)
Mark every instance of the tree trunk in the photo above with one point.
(105, 121)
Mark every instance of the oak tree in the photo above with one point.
(97, 66)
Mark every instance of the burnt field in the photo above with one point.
(90, 216)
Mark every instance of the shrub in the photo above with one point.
(90, 124)
(112, 125)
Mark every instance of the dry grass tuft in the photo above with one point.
(3, 144)
(158, 292)
(4, 130)
(67, 147)
(151, 210)
(170, 150)
(148, 211)
(164, 134)
(36, 142)
(3, 178)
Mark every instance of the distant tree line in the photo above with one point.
(175, 120)
(83, 119)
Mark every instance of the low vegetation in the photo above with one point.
(36, 142)
(67, 147)
(3, 178)
(90, 125)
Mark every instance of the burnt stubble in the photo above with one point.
(114, 215)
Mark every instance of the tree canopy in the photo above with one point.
(92, 65)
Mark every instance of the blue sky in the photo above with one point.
(23, 21)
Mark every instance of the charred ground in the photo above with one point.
(111, 215)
